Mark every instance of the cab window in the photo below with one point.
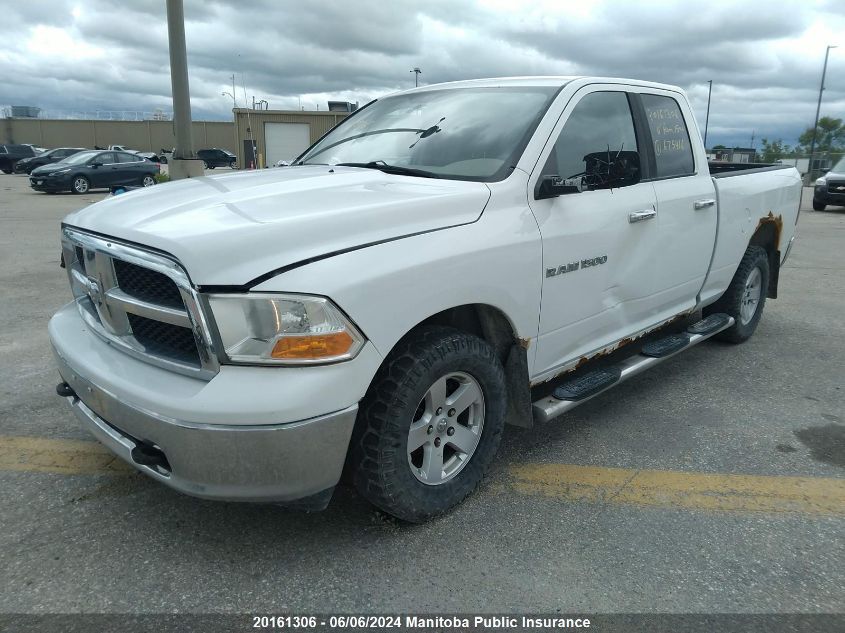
(597, 138)
(672, 148)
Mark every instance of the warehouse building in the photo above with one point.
(280, 134)
(144, 136)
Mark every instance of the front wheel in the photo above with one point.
(80, 184)
(745, 297)
(819, 206)
(430, 424)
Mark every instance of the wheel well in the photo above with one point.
(491, 325)
(767, 236)
(484, 321)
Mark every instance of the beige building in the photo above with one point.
(276, 134)
(280, 134)
(144, 136)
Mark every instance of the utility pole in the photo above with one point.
(818, 108)
(184, 163)
(707, 118)
(417, 72)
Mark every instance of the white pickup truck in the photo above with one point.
(446, 260)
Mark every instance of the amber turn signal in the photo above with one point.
(315, 346)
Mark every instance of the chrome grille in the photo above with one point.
(147, 284)
(139, 301)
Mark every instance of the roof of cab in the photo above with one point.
(529, 81)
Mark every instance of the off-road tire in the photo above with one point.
(379, 458)
(731, 302)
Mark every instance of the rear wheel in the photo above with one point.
(7, 171)
(745, 297)
(819, 206)
(430, 424)
(80, 184)
(148, 181)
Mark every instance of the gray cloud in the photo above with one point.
(764, 58)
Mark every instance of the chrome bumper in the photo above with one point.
(267, 463)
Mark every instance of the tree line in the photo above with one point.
(830, 138)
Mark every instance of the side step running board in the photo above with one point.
(578, 390)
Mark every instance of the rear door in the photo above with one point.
(686, 200)
(598, 245)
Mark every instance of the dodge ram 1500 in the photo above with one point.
(446, 260)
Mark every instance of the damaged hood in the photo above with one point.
(232, 228)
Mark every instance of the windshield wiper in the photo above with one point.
(392, 169)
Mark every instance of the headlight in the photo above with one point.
(277, 329)
(61, 171)
(821, 181)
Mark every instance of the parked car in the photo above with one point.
(12, 153)
(26, 165)
(471, 258)
(150, 156)
(93, 169)
(215, 157)
(830, 188)
(162, 155)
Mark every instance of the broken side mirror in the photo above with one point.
(612, 169)
(552, 185)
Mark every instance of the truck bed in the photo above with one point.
(749, 196)
(726, 170)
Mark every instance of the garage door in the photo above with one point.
(285, 141)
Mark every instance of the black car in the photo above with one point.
(93, 169)
(11, 154)
(26, 165)
(215, 157)
(830, 188)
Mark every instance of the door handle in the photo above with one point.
(703, 204)
(639, 216)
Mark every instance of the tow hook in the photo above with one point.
(63, 389)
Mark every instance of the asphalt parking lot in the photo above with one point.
(713, 483)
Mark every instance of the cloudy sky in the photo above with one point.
(764, 57)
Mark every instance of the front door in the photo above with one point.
(598, 245)
(107, 173)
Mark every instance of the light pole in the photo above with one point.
(417, 72)
(818, 108)
(184, 163)
(226, 93)
(707, 118)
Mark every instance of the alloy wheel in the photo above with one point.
(446, 428)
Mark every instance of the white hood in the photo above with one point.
(232, 228)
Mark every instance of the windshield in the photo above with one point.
(839, 167)
(79, 158)
(461, 133)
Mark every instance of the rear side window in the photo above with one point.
(126, 158)
(672, 148)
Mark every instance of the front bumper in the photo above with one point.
(241, 456)
(825, 196)
(49, 183)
